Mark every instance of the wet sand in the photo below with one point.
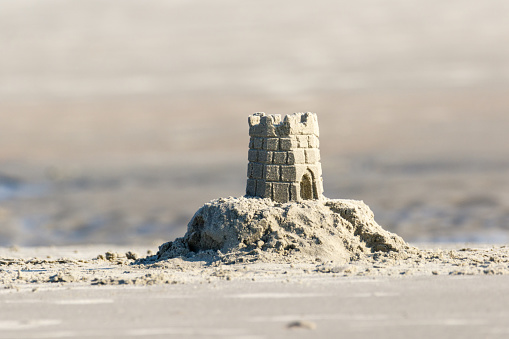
(66, 293)
(417, 307)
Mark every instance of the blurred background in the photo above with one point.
(119, 119)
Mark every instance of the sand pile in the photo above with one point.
(250, 229)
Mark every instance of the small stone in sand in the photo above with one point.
(302, 324)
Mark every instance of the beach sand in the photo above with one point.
(64, 292)
(118, 121)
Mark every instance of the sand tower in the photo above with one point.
(284, 159)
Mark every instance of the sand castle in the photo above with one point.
(284, 159)
(284, 216)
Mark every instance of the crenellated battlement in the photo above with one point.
(263, 125)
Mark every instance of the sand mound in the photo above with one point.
(240, 229)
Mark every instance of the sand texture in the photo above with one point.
(120, 119)
(251, 239)
(23, 270)
(325, 229)
(51, 292)
(315, 305)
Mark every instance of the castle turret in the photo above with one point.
(284, 159)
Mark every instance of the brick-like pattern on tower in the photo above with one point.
(284, 159)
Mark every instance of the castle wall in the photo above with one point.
(281, 152)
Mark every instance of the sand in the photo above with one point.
(458, 291)
(253, 238)
(256, 229)
(116, 130)
(310, 307)
(358, 280)
(114, 268)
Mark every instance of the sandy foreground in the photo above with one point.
(50, 292)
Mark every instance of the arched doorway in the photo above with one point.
(307, 186)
